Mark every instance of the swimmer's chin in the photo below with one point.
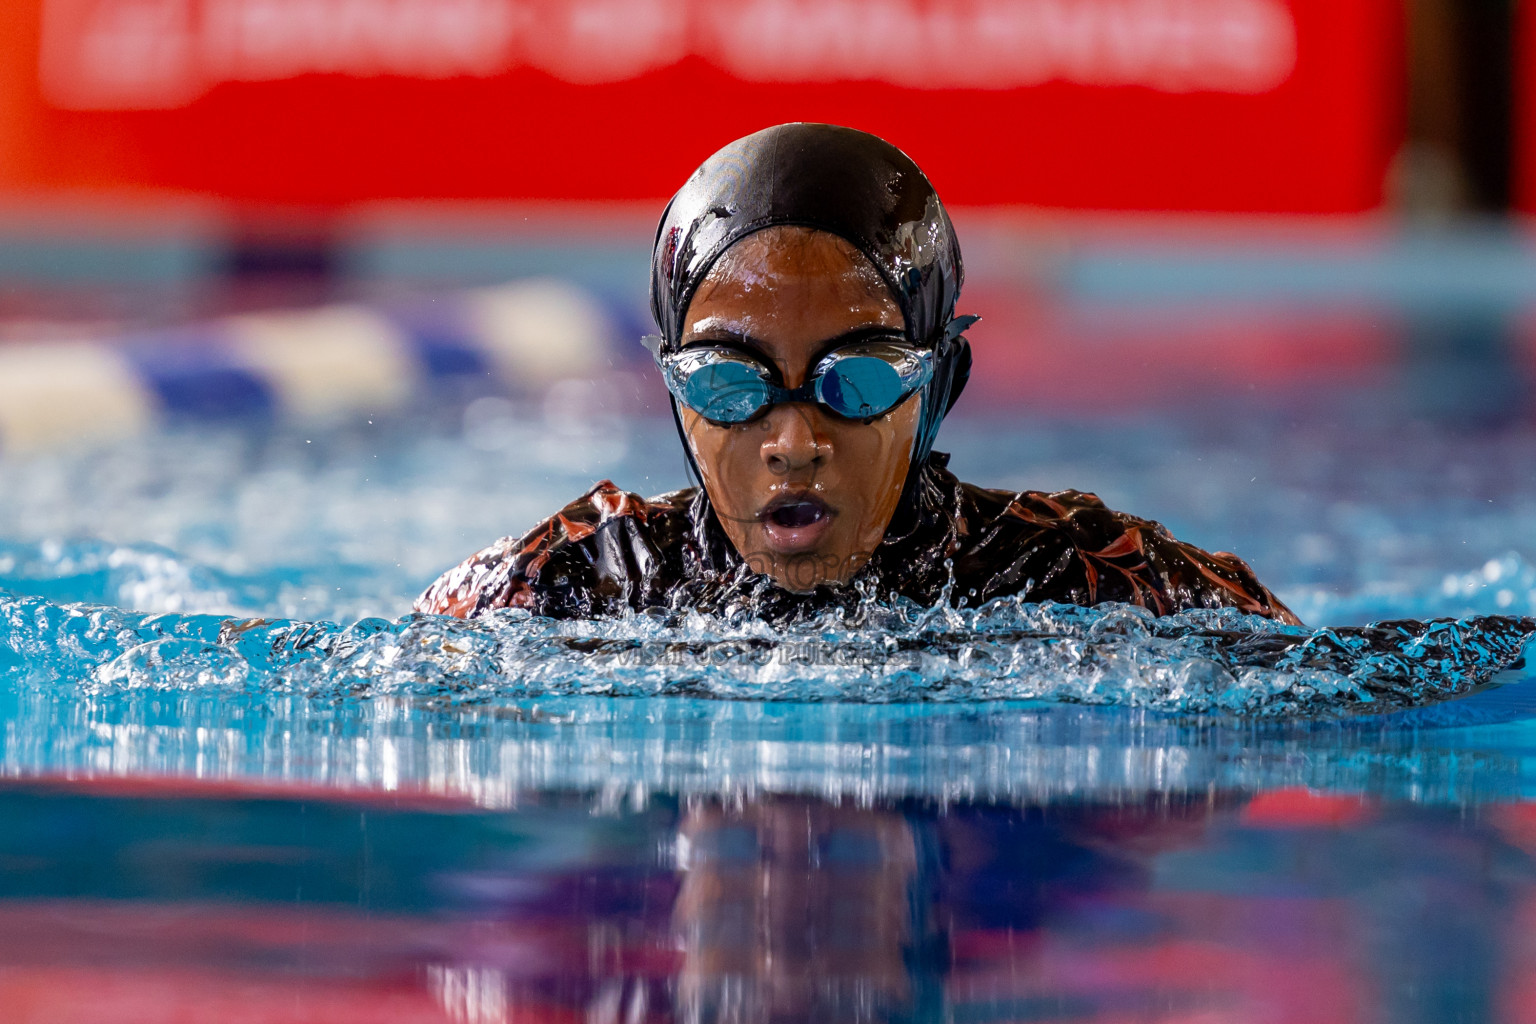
(801, 586)
(801, 574)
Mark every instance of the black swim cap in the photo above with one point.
(846, 182)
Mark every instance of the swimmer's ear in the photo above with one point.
(958, 326)
(957, 350)
(962, 375)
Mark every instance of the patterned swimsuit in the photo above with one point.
(609, 552)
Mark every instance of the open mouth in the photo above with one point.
(795, 522)
(797, 514)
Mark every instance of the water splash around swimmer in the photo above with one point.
(1217, 662)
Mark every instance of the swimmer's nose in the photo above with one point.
(793, 443)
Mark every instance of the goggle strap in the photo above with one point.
(952, 331)
(959, 325)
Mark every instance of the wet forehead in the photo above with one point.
(786, 292)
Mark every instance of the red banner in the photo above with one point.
(1242, 105)
(1523, 190)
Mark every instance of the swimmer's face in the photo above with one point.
(804, 495)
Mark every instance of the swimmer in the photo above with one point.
(804, 281)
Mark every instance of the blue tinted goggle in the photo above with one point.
(858, 381)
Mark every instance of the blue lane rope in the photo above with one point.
(334, 360)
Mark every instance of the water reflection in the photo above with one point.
(798, 910)
(138, 900)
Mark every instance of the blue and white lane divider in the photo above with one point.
(322, 363)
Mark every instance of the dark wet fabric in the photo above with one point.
(834, 179)
(610, 552)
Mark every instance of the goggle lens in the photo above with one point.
(725, 391)
(859, 387)
(726, 386)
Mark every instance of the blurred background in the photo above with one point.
(1259, 269)
(1210, 197)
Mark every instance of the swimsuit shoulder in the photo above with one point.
(1069, 546)
(583, 560)
(611, 551)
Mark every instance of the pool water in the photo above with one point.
(241, 784)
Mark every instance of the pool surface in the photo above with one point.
(239, 784)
